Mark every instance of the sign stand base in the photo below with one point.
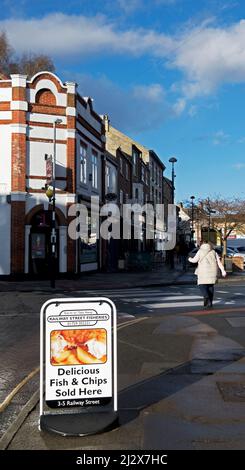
(79, 424)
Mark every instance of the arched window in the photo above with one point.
(46, 97)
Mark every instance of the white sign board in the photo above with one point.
(79, 351)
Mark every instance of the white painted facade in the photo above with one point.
(39, 132)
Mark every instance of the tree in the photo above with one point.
(226, 215)
(6, 53)
(28, 64)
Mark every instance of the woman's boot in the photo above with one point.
(205, 301)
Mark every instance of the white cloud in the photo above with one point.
(129, 5)
(152, 93)
(179, 106)
(211, 56)
(220, 138)
(239, 166)
(207, 56)
(135, 110)
(69, 35)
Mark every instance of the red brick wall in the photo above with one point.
(45, 97)
(18, 162)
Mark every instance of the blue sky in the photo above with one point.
(170, 73)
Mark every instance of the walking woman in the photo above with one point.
(207, 271)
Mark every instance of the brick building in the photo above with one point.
(143, 170)
(28, 111)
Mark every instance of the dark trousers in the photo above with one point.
(207, 291)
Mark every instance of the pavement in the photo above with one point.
(181, 373)
(161, 276)
(173, 394)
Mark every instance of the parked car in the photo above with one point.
(241, 249)
(230, 251)
(219, 250)
(236, 252)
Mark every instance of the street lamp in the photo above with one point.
(173, 160)
(53, 230)
(210, 211)
(192, 217)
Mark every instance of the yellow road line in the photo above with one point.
(130, 322)
(12, 394)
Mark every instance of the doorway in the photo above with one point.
(40, 244)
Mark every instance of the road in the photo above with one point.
(169, 331)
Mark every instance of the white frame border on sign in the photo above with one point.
(114, 358)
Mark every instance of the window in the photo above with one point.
(83, 163)
(121, 166)
(136, 193)
(143, 173)
(111, 179)
(127, 171)
(94, 169)
(135, 154)
(89, 244)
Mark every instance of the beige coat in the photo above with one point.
(208, 265)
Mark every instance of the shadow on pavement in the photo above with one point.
(139, 396)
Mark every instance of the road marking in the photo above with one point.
(132, 322)
(12, 394)
(15, 426)
(175, 304)
(214, 311)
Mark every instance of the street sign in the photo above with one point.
(78, 365)
(49, 170)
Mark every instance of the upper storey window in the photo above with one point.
(46, 97)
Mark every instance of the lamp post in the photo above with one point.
(210, 211)
(53, 229)
(172, 160)
(192, 217)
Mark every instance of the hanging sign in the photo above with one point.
(49, 170)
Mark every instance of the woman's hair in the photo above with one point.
(208, 242)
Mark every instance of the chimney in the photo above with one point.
(107, 122)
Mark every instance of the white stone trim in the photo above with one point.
(49, 118)
(70, 111)
(5, 115)
(6, 93)
(61, 98)
(71, 198)
(19, 105)
(71, 133)
(71, 87)
(19, 128)
(18, 196)
(18, 80)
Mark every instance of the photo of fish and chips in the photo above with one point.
(71, 347)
